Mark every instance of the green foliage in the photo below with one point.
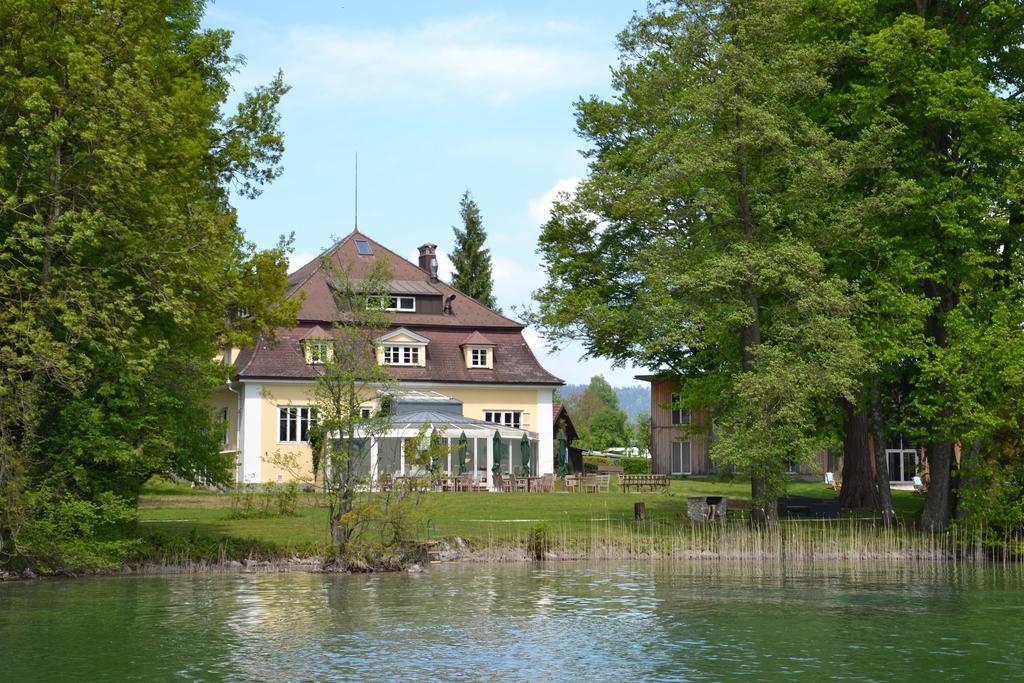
(71, 534)
(590, 463)
(992, 496)
(597, 417)
(472, 262)
(635, 465)
(538, 540)
(694, 244)
(257, 501)
(118, 243)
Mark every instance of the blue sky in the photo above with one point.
(436, 97)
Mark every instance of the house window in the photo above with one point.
(401, 355)
(681, 458)
(243, 313)
(398, 303)
(363, 248)
(508, 418)
(317, 352)
(478, 358)
(294, 423)
(680, 415)
(365, 413)
(223, 418)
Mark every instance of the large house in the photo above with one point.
(451, 355)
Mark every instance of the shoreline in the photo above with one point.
(318, 564)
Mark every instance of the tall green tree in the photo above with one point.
(940, 270)
(694, 244)
(122, 265)
(472, 262)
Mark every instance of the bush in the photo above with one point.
(635, 465)
(538, 540)
(250, 501)
(590, 463)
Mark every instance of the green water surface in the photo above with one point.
(555, 621)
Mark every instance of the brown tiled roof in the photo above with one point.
(317, 332)
(477, 339)
(319, 304)
(514, 362)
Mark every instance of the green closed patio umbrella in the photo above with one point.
(435, 447)
(496, 466)
(563, 454)
(463, 450)
(524, 451)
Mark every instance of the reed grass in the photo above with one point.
(790, 541)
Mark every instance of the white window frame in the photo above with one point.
(402, 304)
(290, 423)
(679, 412)
(479, 357)
(400, 354)
(673, 455)
(318, 352)
(505, 418)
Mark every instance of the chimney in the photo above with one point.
(428, 259)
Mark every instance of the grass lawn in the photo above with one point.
(472, 516)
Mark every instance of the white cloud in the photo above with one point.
(299, 259)
(486, 58)
(568, 363)
(514, 284)
(538, 209)
(445, 269)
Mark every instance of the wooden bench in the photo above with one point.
(643, 482)
(609, 469)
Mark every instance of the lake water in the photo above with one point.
(555, 621)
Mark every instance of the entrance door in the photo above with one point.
(903, 464)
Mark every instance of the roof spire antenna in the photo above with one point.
(357, 194)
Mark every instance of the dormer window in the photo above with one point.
(399, 303)
(363, 248)
(478, 351)
(480, 357)
(317, 352)
(401, 355)
(402, 347)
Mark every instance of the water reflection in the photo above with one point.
(563, 621)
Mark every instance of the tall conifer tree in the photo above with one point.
(471, 260)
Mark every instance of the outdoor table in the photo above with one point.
(532, 483)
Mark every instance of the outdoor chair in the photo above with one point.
(603, 483)
(572, 483)
(499, 482)
(590, 483)
(385, 482)
(547, 483)
(919, 486)
(830, 481)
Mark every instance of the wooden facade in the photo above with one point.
(695, 437)
(697, 434)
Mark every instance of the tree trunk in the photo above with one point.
(967, 478)
(881, 465)
(939, 504)
(858, 488)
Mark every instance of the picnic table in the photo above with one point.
(643, 482)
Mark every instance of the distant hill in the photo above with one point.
(632, 400)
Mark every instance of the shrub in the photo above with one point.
(538, 540)
(590, 463)
(250, 501)
(635, 465)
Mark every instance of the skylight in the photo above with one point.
(363, 248)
